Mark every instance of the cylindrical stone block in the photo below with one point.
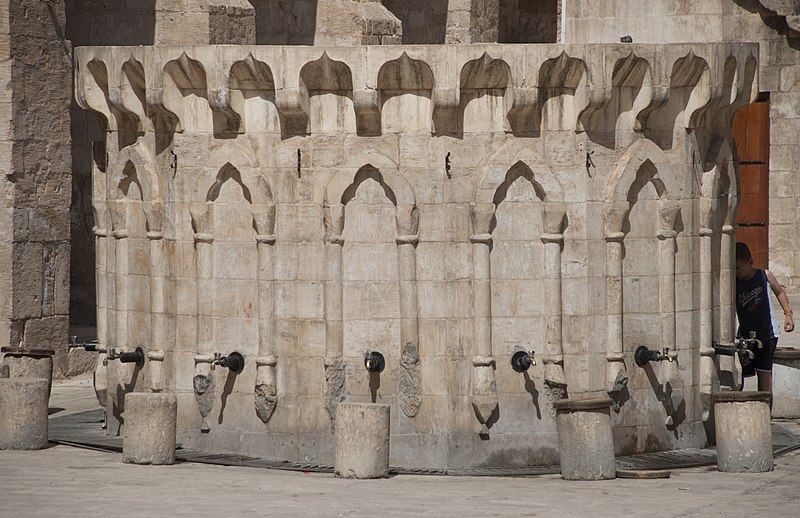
(361, 440)
(744, 431)
(29, 363)
(150, 428)
(23, 413)
(585, 439)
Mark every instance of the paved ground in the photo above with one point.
(64, 481)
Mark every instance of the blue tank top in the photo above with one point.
(754, 307)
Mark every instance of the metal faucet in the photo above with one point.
(522, 360)
(374, 361)
(234, 361)
(643, 355)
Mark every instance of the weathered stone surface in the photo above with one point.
(743, 431)
(30, 365)
(585, 438)
(362, 440)
(23, 413)
(150, 428)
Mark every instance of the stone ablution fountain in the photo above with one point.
(445, 205)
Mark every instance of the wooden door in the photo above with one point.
(751, 134)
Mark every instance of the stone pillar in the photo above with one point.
(203, 382)
(744, 432)
(29, 363)
(666, 286)
(150, 428)
(333, 294)
(727, 282)
(158, 309)
(101, 275)
(553, 240)
(585, 439)
(407, 239)
(616, 378)
(201, 22)
(361, 440)
(266, 389)
(484, 397)
(707, 365)
(473, 21)
(23, 413)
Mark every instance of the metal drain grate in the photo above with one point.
(84, 430)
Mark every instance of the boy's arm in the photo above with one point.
(780, 293)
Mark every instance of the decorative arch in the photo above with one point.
(338, 192)
(642, 155)
(643, 162)
(389, 171)
(512, 162)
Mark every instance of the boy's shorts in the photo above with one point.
(763, 359)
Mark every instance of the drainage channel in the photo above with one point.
(83, 430)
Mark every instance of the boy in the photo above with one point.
(754, 309)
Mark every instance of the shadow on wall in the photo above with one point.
(94, 23)
(285, 22)
(423, 22)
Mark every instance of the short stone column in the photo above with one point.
(23, 413)
(361, 440)
(585, 438)
(744, 431)
(150, 428)
(29, 363)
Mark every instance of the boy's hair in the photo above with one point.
(743, 252)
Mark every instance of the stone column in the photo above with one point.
(333, 294)
(266, 391)
(554, 355)
(361, 440)
(744, 432)
(484, 398)
(707, 365)
(158, 309)
(407, 239)
(203, 382)
(150, 428)
(23, 413)
(727, 282)
(115, 371)
(585, 439)
(616, 377)
(101, 275)
(666, 286)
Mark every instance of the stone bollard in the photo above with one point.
(361, 440)
(585, 438)
(23, 413)
(744, 431)
(29, 363)
(150, 428)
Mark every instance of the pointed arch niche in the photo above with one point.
(641, 205)
(134, 207)
(517, 211)
(360, 202)
(234, 238)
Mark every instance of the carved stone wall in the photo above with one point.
(774, 25)
(442, 205)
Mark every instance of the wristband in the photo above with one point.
(788, 312)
